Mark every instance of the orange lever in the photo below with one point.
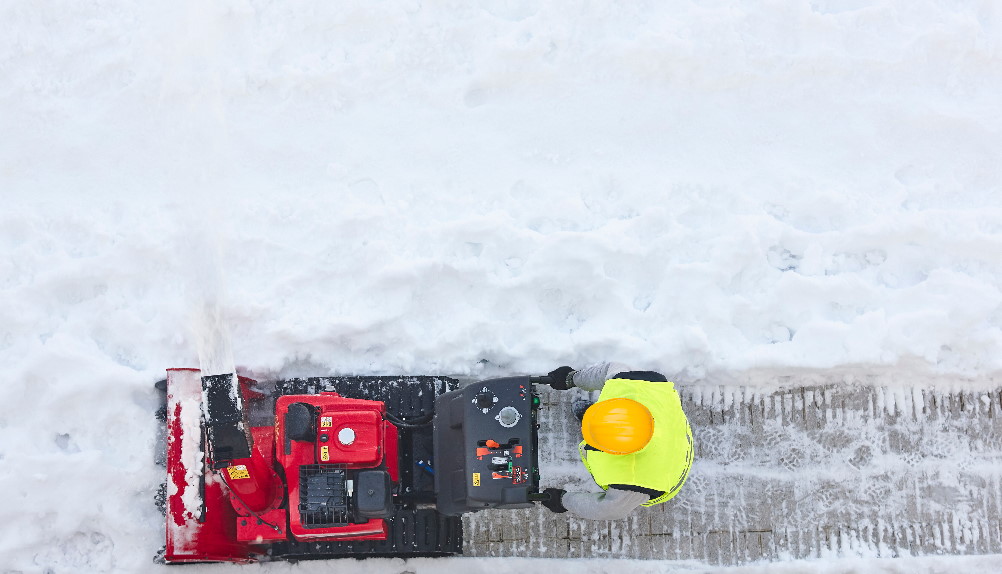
(493, 444)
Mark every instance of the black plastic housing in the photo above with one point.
(299, 422)
(373, 494)
(224, 419)
(483, 458)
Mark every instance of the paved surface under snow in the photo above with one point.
(782, 471)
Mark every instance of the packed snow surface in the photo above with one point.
(707, 188)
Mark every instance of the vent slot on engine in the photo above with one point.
(323, 496)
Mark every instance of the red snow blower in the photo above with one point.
(334, 467)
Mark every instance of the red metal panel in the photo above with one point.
(250, 493)
(271, 527)
(350, 436)
(374, 529)
(365, 418)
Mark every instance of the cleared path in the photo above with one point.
(785, 472)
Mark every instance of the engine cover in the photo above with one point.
(325, 443)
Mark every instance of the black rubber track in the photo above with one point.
(412, 533)
(405, 397)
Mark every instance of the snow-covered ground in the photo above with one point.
(703, 187)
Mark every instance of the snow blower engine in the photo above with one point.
(340, 466)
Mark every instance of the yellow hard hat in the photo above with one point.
(617, 426)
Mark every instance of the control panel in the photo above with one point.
(486, 446)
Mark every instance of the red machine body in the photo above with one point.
(349, 432)
(287, 489)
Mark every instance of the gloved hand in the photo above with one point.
(555, 502)
(561, 378)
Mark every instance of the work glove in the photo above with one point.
(556, 501)
(579, 406)
(561, 378)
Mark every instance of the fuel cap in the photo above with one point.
(346, 436)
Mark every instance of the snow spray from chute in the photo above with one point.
(212, 339)
(206, 290)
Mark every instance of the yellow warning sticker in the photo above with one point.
(325, 453)
(326, 422)
(476, 479)
(237, 471)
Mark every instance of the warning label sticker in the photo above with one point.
(476, 479)
(326, 422)
(237, 472)
(325, 453)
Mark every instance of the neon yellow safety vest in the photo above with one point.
(664, 463)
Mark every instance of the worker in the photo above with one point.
(637, 441)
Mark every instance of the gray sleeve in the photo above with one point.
(593, 377)
(612, 504)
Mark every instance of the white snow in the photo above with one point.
(713, 189)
